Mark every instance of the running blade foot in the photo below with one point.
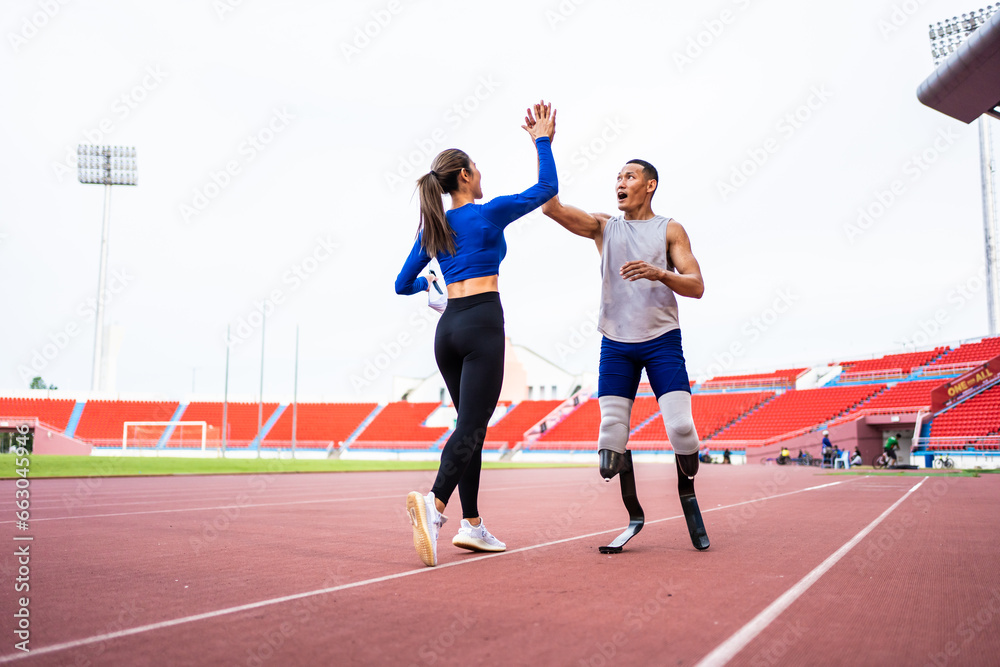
(696, 527)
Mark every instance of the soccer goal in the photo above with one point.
(186, 435)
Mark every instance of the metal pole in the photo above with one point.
(225, 398)
(260, 401)
(990, 225)
(95, 383)
(295, 391)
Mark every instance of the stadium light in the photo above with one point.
(107, 166)
(946, 37)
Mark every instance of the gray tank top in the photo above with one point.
(634, 312)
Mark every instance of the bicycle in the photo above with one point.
(883, 460)
(943, 461)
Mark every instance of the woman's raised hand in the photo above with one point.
(541, 122)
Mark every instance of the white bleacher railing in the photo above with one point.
(958, 442)
(852, 416)
(14, 422)
(393, 444)
(934, 370)
(884, 374)
(562, 445)
(763, 383)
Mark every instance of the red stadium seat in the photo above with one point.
(51, 411)
(797, 410)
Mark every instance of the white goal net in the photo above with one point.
(184, 435)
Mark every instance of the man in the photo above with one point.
(827, 450)
(646, 260)
(891, 444)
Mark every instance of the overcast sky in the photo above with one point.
(833, 215)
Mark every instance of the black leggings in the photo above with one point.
(469, 348)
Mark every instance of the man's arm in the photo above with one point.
(687, 281)
(578, 221)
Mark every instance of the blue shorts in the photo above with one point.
(622, 364)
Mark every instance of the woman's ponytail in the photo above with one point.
(437, 235)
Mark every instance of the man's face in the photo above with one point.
(632, 187)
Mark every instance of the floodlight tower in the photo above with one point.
(107, 166)
(946, 36)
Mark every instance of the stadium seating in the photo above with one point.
(778, 379)
(915, 394)
(582, 425)
(711, 412)
(797, 410)
(902, 364)
(318, 424)
(511, 427)
(978, 416)
(242, 418)
(101, 422)
(971, 353)
(399, 425)
(722, 416)
(54, 412)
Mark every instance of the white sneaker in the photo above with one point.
(427, 522)
(477, 538)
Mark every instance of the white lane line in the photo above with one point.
(333, 589)
(275, 504)
(728, 649)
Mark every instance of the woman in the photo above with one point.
(469, 245)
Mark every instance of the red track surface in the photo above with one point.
(120, 566)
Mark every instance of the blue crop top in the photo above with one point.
(479, 242)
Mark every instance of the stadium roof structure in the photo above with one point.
(966, 84)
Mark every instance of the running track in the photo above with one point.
(319, 569)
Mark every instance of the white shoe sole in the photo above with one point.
(473, 544)
(422, 541)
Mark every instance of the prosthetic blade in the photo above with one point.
(689, 503)
(626, 477)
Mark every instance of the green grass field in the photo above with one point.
(118, 466)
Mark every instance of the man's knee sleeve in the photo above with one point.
(675, 407)
(615, 414)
